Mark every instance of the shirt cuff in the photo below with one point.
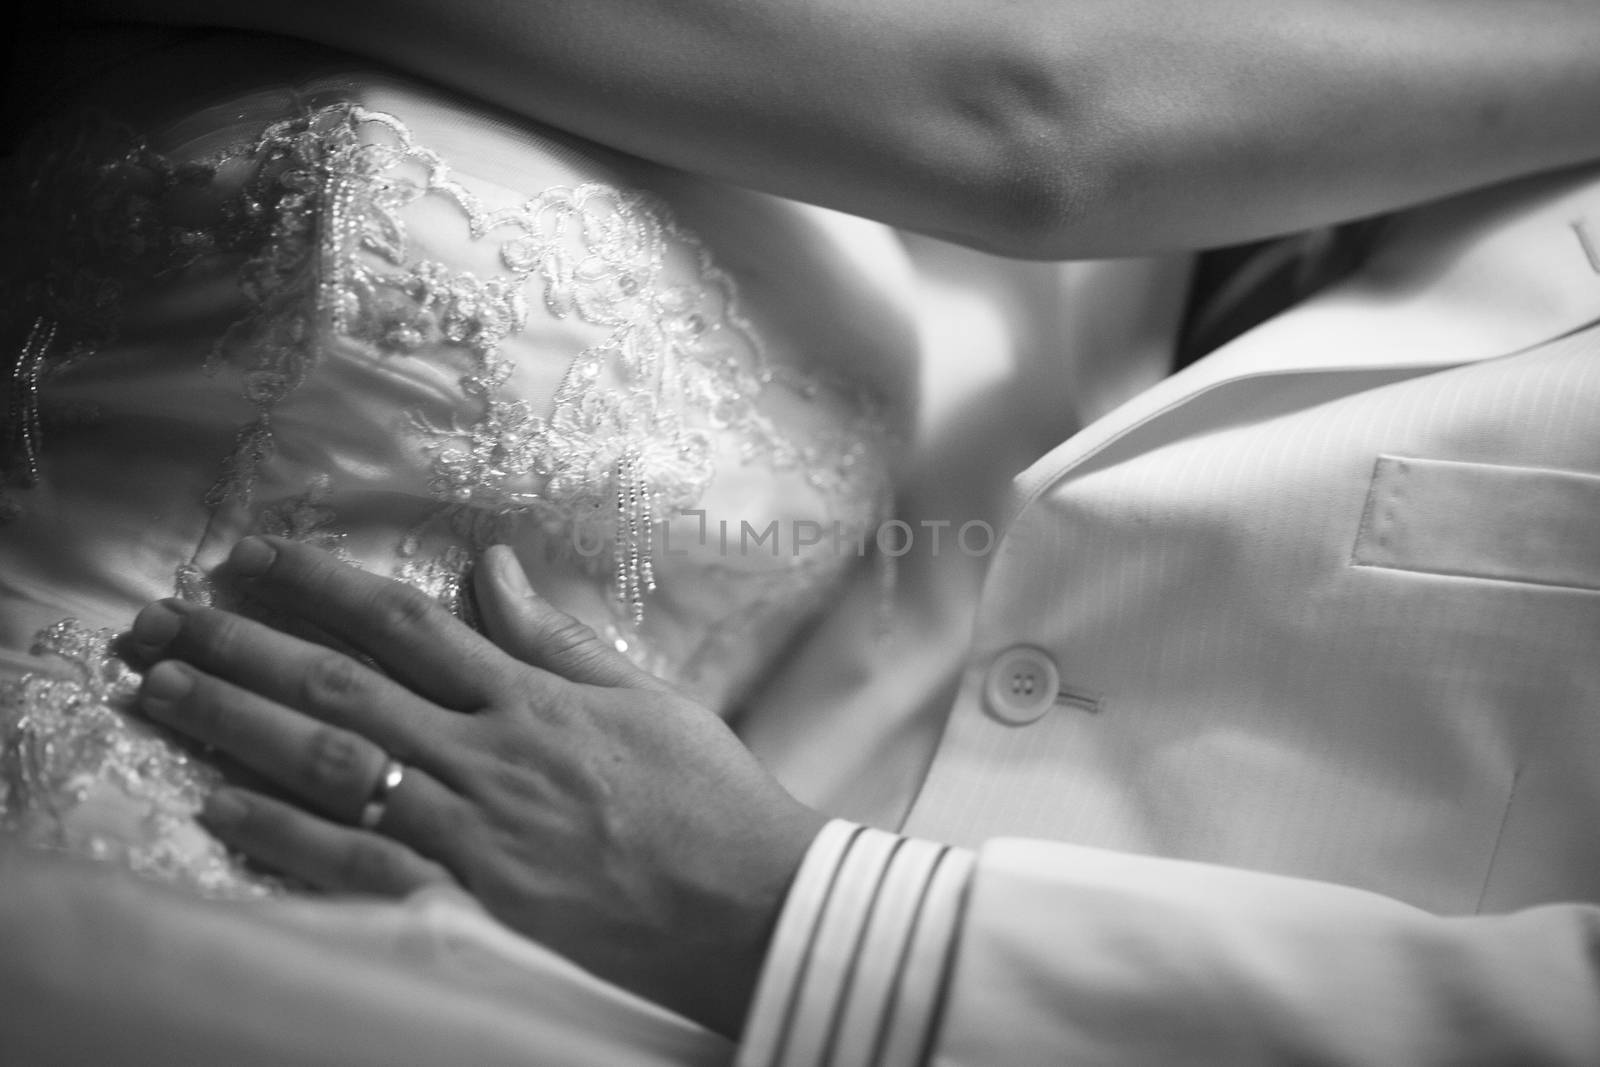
(858, 962)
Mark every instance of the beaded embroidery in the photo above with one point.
(628, 441)
(320, 216)
(62, 739)
(314, 210)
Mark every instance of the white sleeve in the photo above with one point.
(1056, 953)
(857, 963)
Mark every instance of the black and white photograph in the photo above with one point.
(800, 533)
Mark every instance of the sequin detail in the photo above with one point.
(307, 518)
(312, 216)
(317, 206)
(79, 774)
(443, 577)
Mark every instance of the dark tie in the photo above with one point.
(1240, 287)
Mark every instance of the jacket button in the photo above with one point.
(1021, 685)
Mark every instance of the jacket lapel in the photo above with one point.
(1479, 276)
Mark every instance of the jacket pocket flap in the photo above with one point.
(1479, 520)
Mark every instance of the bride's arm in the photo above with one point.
(1047, 128)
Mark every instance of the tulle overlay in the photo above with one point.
(358, 314)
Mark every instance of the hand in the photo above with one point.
(581, 800)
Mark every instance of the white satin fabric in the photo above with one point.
(101, 968)
(372, 453)
(275, 293)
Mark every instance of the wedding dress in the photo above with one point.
(252, 289)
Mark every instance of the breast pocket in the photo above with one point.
(1478, 520)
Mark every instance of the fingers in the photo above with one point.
(261, 662)
(330, 767)
(527, 627)
(405, 632)
(333, 770)
(317, 852)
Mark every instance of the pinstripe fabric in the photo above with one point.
(1264, 703)
(771, 1021)
(1271, 697)
(1466, 280)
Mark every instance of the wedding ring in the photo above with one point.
(394, 773)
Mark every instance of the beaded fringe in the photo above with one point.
(635, 559)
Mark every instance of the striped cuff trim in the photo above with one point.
(858, 962)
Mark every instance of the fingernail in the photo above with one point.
(155, 626)
(223, 808)
(251, 557)
(508, 571)
(163, 687)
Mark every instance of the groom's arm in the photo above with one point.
(893, 952)
(1047, 128)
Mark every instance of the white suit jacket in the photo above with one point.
(1278, 738)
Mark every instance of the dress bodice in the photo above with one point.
(355, 312)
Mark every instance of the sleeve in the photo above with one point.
(1056, 953)
(859, 956)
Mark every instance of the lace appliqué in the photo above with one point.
(66, 742)
(630, 438)
(314, 209)
(444, 578)
(307, 518)
(316, 204)
(318, 196)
